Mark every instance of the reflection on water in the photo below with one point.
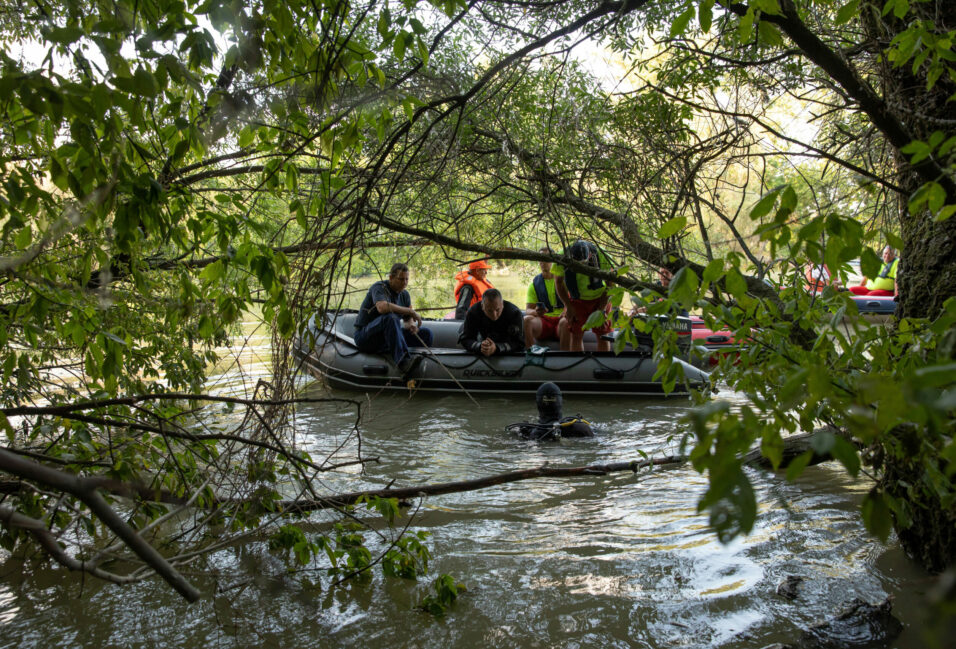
(620, 560)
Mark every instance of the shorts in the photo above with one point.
(583, 310)
(549, 327)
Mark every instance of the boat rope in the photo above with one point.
(447, 371)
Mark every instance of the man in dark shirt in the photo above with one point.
(387, 323)
(493, 326)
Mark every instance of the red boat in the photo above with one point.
(717, 343)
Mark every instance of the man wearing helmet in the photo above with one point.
(583, 295)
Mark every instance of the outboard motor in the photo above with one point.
(550, 424)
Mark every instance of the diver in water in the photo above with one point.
(550, 424)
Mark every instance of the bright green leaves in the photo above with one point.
(745, 28)
(788, 202)
(684, 286)
(679, 26)
(847, 12)
(735, 283)
(446, 593)
(713, 271)
(899, 8)
(408, 558)
(937, 144)
(870, 263)
(672, 227)
(722, 438)
(292, 541)
(922, 43)
(596, 319)
(705, 15)
(703, 11)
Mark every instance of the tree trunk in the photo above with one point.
(926, 276)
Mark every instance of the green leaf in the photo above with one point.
(398, 46)
(683, 286)
(145, 83)
(876, 515)
(935, 197)
(679, 26)
(408, 105)
(847, 454)
(713, 270)
(935, 375)
(746, 27)
(596, 319)
(847, 12)
(945, 213)
(705, 15)
(246, 137)
(7, 428)
(798, 464)
(869, 263)
(769, 34)
(212, 272)
(672, 227)
(735, 283)
(765, 204)
(893, 239)
(24, 238)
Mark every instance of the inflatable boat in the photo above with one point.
(710, 345)
(326, 349)
(871, 305)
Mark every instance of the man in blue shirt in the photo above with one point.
(387, 323)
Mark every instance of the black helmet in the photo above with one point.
(580, 251)
(549, 403)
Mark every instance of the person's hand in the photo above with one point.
(412, 327)
(539, 311)
(413, 314)
(488, 347)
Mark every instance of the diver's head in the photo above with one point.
(549, 403)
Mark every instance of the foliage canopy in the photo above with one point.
(169, 167)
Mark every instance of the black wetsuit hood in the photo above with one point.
(550, 403)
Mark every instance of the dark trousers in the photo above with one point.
(385, 334)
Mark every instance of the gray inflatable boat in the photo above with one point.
(325, 348)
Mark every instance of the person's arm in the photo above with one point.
(468, 338)
(562, 290)
(531, 302)
(514, 334)
(464, 302)
(406, 312)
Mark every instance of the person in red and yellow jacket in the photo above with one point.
(884, 284)
(471, 285)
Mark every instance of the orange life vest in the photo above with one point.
(478, 286)
(821, 280)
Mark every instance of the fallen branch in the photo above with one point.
(86, 490)
(343, 500)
